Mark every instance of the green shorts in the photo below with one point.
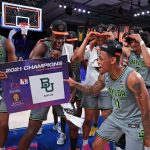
(111, 130)
(41, 113)
(102, 101)
(79, 95)
(89, 101)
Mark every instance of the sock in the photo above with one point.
(85, 142)
(55, 117)
(106, 146)
(95, 125)
(55, 123)
(63, 123)
(73, 143)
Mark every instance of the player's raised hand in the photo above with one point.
(92, 35)
(136, 37)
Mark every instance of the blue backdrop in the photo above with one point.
(24, 47)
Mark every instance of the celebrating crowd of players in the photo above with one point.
(117, 83)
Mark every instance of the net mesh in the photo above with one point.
(24, 28)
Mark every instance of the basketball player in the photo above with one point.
(131, 105)
(139, 57)
(7, 54)
(52, 48)
(92, 103)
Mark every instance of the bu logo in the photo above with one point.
(45, 83)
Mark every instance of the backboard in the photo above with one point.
(13, 15)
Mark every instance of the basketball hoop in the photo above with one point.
(24, 28)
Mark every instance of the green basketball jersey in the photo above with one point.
(2, 49)
(137, 62)
(2, 53)
(125, 107)
(49, 46)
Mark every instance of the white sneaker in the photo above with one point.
(40, 131)
(61, 139)
(57, 128)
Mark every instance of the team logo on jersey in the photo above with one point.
(45, 84)
(117, 92)
(16, 97)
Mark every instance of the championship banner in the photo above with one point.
(35, 83)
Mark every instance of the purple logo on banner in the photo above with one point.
(35, 83)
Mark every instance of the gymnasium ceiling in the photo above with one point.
(106, 11)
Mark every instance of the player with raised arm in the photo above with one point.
(7, 54)
(131, 105)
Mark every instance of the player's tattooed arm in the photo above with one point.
(137, 86)
(94, 89)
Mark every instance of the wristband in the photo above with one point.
(142, 43)
(146, 148)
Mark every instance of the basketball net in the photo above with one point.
(24, 29)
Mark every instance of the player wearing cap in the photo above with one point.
(67, 50)
(139, 57)
(131, 105)
(104, 100)
(7, 54)
(76, 94)
(49, 47)
(126, 46)
(72, 39)
(70, 43)
(92, 103)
